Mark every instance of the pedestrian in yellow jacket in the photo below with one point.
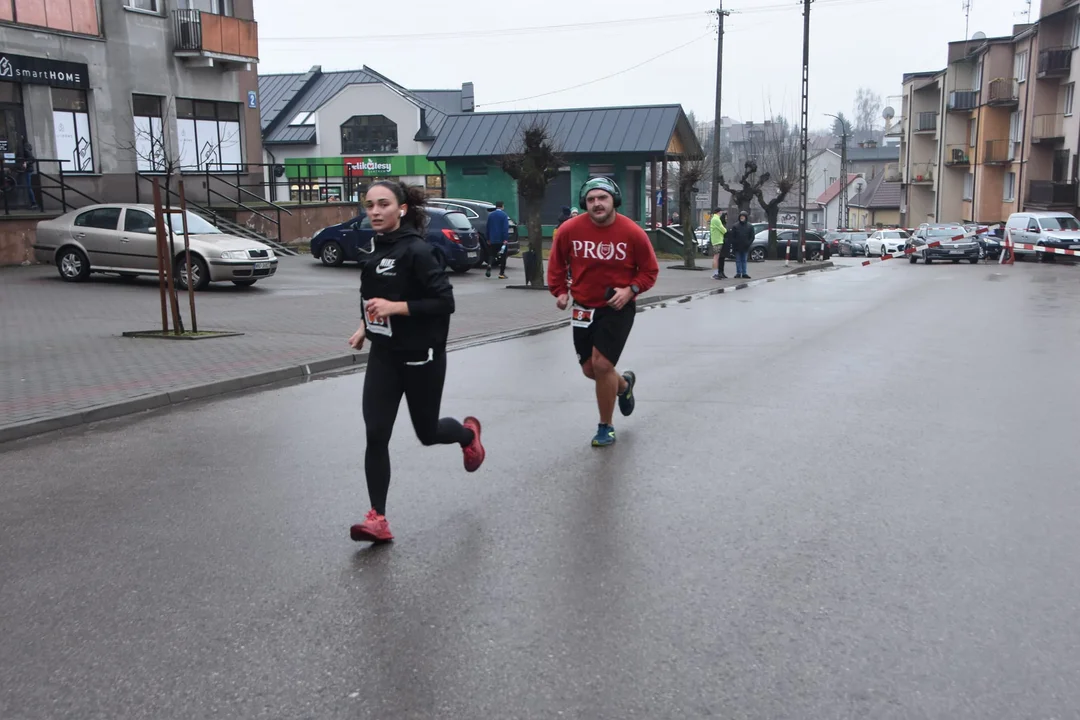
(717, 231)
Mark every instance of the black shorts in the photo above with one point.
(608, 333)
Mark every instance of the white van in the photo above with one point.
(1050, 229)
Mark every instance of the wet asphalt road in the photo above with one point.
(851, 495)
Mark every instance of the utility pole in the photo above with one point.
(720, 13)
(843, 176)
(804, 180)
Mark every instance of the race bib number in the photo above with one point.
(379, 327)
(581, 317)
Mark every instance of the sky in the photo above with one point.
(637, 52)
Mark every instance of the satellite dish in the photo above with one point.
(888, 113)
(980, 35)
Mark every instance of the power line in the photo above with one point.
(600, 79)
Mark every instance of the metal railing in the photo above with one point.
(957, 154)
(921, 173)
(893, 173)
(1055, 61)
(1046, 193)
(997, 151)
(187, 25)
(963, 100)
(20, 192)
(1050, 126)
(1004, 91)
(926, 122)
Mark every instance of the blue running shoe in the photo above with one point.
(605, 435)
(626, 399)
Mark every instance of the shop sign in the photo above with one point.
(43, 71)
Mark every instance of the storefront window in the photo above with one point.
(71, 127)
(208, 134)
(150, 151)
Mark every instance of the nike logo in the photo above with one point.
(386, 267)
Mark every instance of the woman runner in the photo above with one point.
(407, 301)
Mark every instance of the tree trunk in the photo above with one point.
(689, 241)
(772, 212)
(536, 241)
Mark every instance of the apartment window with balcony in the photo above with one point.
(208, 134)
(1069, 92)
(1020, 65)
(150, 155)
(1015, 133)
(71, 129)
(969, 186)
(215, 7)
(1010, 187)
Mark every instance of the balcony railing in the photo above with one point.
(926, 122)
(1048, 128)
(1004, 91)
(1055, 62)
(1047, 194)
(210, 35)
(921, 174)
(957, 155)
(997, 152)
(893, 173)
(962, 100)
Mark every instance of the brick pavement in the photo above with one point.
(62, 353)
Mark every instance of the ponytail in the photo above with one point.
(413, 197)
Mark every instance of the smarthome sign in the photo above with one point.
(360, 166)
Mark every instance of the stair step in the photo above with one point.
(236, 229)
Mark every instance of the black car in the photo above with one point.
(850, 244)
(815, 245)
(456, 243)
(477, 212)
(954, 243)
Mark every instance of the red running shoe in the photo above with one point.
(474, 451)
(375, 528)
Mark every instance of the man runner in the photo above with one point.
(611, 262)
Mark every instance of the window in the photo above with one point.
(1016, 131)
(1020, 65)
(1069, 91)
(1074, 33)
(102, 219)
(71, 129)
(302, 119)
(1010, 187)
(973, 132)
(148, 5)
(150, 155)
(1033, 225)
(977, 85)
(208, 134)
(368, 134)
(969, 186)
(136, 221)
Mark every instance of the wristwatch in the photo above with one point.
(635, 289)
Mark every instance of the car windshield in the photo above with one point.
(458, 221)
(858, 236)
(896, 234)
(945, 231)
(195, 224)
(1060, 222)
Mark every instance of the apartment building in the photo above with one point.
(921, 109)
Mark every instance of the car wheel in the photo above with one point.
(928, 260)
(332, 254)
(72, 264)
(913, 259)
(244, 283)
(883, 253)
(866, 250)
(128, 277)
(973, 261)
(200, 273)
(816, 255)
(460, 269)
(757, 254)
(955, 262)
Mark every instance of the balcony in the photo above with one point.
(963, 100)
(1047, 195)
(957, 155)
(210, 39)
(893, 173)
(921, 174)
(926, 122)
(1048, 128)
(1054, 62)
(997, 152)
(1004, 92)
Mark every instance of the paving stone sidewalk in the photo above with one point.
(63, 359)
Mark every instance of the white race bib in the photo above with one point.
(581, 317)
(379, 327)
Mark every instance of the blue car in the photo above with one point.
(456, 242)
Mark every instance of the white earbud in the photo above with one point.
(401, 214)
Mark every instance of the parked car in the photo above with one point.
(851, 243)
(760, 247)
(456, 242)
(1049, 229)
(703, 239)
(956, 244)
(761, 226)
(990, 242)
(884, 242)
(477, 212)
(121, 238)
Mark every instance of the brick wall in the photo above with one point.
(304, 222)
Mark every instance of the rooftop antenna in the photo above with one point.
(967, 17)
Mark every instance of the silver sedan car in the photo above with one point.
(121, 238)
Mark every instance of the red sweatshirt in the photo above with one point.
(616, 256)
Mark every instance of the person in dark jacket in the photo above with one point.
(408, 300)
(564, 215)
(741, 237)
(498, 234)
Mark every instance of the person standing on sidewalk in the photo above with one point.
(610, 262)
(741, 237)
(498, 234)
(408, 301)
(717, 230)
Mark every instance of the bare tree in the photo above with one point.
(780, 150)
(867, 109)
(690, 174)
(534, 163)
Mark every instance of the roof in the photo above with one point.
(869, 188)
(887, 196)
(284, 96)
(643, 129)
(833, 190)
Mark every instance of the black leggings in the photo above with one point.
(386, 380)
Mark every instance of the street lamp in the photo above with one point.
(842, 215)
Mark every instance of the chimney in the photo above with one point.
(468, 98)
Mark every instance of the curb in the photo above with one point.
(155, 401)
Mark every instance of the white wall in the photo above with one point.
(368, 99)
